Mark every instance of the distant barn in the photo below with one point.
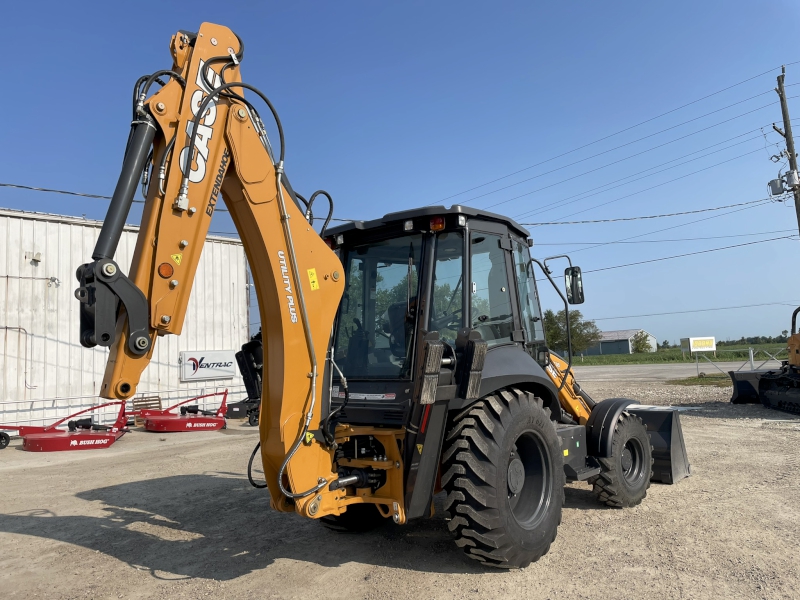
(619, 342)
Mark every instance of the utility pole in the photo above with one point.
(792, 181)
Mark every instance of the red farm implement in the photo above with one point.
(191, 417)
(81, 434)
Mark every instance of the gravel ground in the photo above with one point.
(176, 518)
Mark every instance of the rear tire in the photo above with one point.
(252, 418)
(625, 477)
(5, 440)
(504, 477)
(358, 518)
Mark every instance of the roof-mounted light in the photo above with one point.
(462, 220)
(339, 239)
(408, 226)
(437, 223)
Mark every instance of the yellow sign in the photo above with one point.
(312, 278)
(177, 258)
(699, 344)
(566, 452)
(419, 448)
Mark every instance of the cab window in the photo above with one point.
(490, 296)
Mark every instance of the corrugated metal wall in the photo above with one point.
(44, 371)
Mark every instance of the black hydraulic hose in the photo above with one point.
(329, 437)
(216, 92)
(330, 210)
(259, 486)
(154, 77)
(794, 320)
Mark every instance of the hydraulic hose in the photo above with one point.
(330, 210)
(259, 486)
(329, 437)
(309, 341)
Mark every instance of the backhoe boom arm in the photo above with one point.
(208, 142)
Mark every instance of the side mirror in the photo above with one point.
(574, 285)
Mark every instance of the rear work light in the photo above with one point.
(437, 223)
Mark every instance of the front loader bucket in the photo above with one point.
(670, 463)
(745, 386)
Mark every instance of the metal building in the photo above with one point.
(44, 371)
(619, 342)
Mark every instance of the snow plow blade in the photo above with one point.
(670, 462)
(745, 386)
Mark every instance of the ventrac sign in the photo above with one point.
(215, 364)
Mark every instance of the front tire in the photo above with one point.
(625, 476)
(504, 477)
(5, 439)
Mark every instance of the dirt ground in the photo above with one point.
(173, 516)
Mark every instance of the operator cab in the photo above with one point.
(420, 271)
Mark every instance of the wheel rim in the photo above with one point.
(529, 484)
(632, 461)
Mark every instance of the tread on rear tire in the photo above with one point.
(503, 472)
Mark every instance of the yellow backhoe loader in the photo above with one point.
(398, 357)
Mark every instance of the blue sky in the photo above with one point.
(395, 105)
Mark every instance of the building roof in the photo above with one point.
(39, 216)
(620, 334)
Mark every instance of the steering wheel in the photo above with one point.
(446, 320)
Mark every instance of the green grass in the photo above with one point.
(715, 380)
(674, 355)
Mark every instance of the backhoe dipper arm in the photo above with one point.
(208, 141)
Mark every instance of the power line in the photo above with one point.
(633, 237)
(658, 185)
(710, 237)
(583, 160)
(616, 133)
(652, 260)
(99, 197)
(68, 193)
(697, 310)
(610, 185)
(586, 193)
(687, 212)
(568, 198)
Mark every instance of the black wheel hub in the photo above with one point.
(632, 461)
(627, 459)
(516, 475)
(529, 480)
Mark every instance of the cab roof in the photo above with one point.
(428, 211)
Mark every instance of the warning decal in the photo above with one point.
(177, 258)
(312, 278)
(419, 448)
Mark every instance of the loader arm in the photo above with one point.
(298, 279)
